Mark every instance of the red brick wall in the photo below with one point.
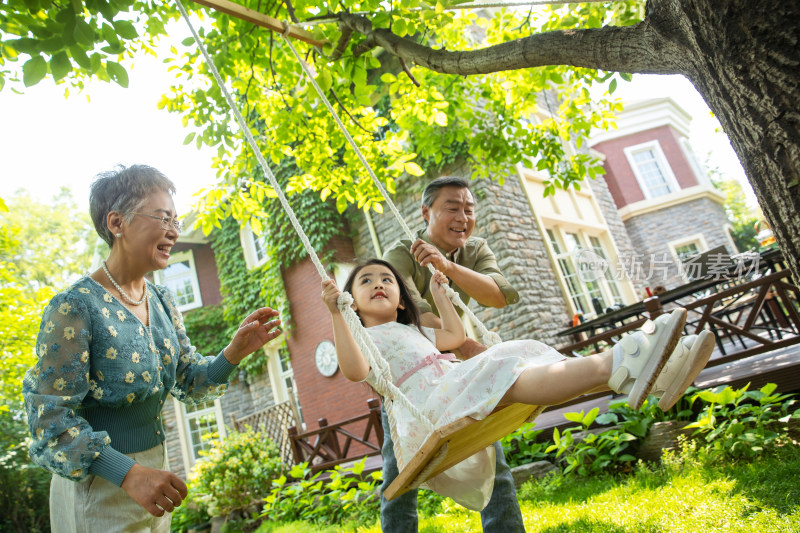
(619, 175)
(206, 267)
(334, 398)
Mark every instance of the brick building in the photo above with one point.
(669, 207)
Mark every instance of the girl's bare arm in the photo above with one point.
(352, 362)
(452, 334)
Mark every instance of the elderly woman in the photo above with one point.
(111, 348)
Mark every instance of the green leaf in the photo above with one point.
(83, 33)
(80, 57)
(189, 138)
(325, 80)
(60, 65)
(612, 86)
(34, 70)
(413, 169)
(117, 73)
(125, 29)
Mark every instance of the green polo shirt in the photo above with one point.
(475, 255)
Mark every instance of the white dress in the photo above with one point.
(446, 391)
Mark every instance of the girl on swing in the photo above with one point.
(520, 371)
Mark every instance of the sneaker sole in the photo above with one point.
(696, 362)
(664, 346)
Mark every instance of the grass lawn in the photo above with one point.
(681, 496)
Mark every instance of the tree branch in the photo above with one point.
(636, 49)
(341, 46)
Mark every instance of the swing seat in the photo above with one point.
(451, 444)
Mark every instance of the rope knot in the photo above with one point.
(286, 28)
(344, 301)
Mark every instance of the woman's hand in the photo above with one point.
(330, 295)
(254, 332)
(158, 491)
(438, 283)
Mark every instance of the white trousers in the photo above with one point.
(96, 505)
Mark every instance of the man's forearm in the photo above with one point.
(480, 287)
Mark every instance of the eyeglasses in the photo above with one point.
(167, 223)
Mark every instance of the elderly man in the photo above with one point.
(448, 208)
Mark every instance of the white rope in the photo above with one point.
(385, 387)
(490, 338)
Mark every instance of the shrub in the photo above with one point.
(344, 497)
(24, 486)
(235, 473)
(597, 452)
(522, 447)
(741, 423)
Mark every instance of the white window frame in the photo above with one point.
(688, 152)
(277, 377)
(697, 238)
(184, 432)
(248, 240)
(662, 163)
(585, 295)
(178, 257)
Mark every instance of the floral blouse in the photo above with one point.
(102, 377)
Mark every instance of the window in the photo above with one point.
(281, 376)
(684, 249)
(180, 277)
(592, 294)
(651, 169)
(613, 286)
(197, 425)
(254, 246)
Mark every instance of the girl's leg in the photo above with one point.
(631, 367)
(559, 382)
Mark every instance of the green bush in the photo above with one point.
(741, 424)
(24, 486)
(235, 473)
(522, 446)
(191, 513)
(344, 497)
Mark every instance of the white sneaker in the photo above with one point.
(684, 364)
(639, 357)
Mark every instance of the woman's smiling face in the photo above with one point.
(146, 239)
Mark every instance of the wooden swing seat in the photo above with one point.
(457, 441)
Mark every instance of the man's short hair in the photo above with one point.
(432, 190)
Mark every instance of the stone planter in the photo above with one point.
(662, 436)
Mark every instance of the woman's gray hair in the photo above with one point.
(123, 190)
(432, 189)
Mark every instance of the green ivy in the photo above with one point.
(207, 329)
(244, 289)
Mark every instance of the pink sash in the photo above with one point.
(432, 359)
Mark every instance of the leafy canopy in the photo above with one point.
(42, 249)
(406, 119)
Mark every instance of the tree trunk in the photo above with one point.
(746, 65)
(742, 57)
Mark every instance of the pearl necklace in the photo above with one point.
(123, 293)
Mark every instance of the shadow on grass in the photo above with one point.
(769, 482)
(584, 525)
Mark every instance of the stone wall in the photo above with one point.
(616, 227)
(651, 232)
(504, 219)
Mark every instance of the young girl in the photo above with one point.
(521, 371)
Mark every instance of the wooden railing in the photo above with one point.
(764, 310)
(330, 445)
